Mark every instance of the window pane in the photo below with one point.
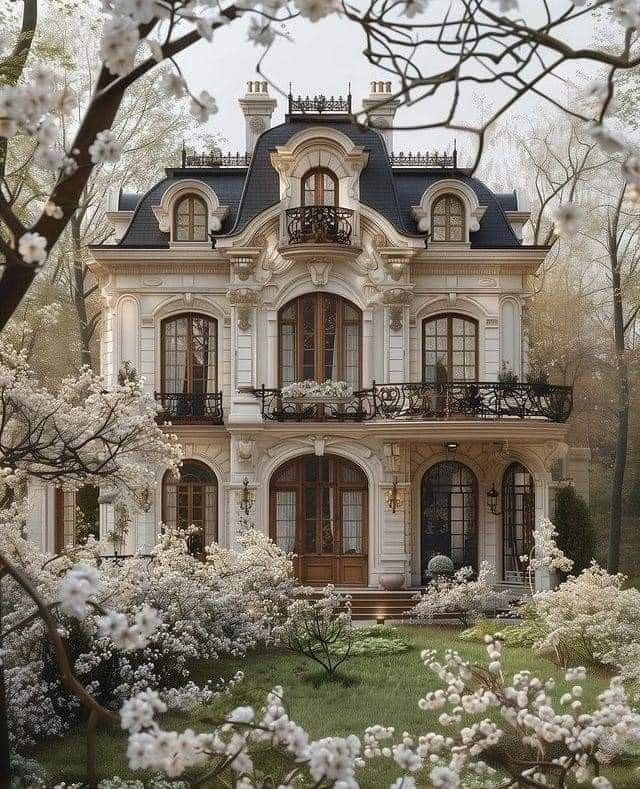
(286, 520)
(352, 521)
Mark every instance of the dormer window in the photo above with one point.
(447, 219)
(319, 187)
(190, 219)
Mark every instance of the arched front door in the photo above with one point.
(318, 510)
(192, 500)
(518, 520)
(449, 508)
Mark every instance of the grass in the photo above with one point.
(385, 690)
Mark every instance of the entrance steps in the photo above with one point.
(378, 604)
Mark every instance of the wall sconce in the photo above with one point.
(393, 497)
(492, 497)
(246, 498)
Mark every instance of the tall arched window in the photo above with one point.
(450, 349)
(449, 498)
(190, 219)
(189, 354)
(518, 520)
(192, 500)
(320, 339)
(319, 511)
(319, 187)
(447, 219)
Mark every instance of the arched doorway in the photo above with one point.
(518, 520)
(449, 514)
(192, 500)
(318, 509)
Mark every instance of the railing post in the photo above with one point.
(375, 399)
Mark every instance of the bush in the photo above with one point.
(440, 565)
(575, 531)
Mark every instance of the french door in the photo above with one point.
(191, 501)
(318, 510)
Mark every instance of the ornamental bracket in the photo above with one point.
(395, 300)
(244, 300)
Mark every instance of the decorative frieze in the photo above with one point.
(395, 300)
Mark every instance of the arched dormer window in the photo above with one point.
(190, 219)
(448, 219)
(319, 187)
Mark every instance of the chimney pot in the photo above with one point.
(257, 107)
(382, 110)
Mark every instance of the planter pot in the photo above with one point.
(392, 582)
(318, 399)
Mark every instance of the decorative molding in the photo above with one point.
(244, 300)
(395, 300)
(473, 210)
(319, 273)
(246, 446)
(319, 444)
(395, 262)
(164, 210)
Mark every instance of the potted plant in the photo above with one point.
(507, 377)
(439, 566)
(312, 391)
(539, 381)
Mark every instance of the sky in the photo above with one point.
(324, 57)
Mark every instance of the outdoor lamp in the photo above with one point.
(492, 496)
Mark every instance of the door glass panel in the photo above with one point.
(450, 349)
(518, 520)
(330, 339)
(308, 339)
(286, 520)
(328, 520)
(310, 519)
(192, 501)
(352, 517)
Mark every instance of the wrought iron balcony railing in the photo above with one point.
(319, 224)
(194, 408)
(427, 159)
(426, 401)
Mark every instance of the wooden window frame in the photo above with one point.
(192, 199)
(213, 480)
(509, 511)
(319, 335)
(450, 316)
(298, 486)
(189, 372)
(318, 190)
(475, 502)
(447, 214)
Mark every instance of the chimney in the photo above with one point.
(257, 108)
(382, 118)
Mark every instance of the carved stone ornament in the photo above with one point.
(244, 300)
(257, 124)
(246, 449)
(319, 273)
(395, 300)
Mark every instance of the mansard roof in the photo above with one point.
(391, 191)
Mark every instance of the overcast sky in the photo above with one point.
(323, 58)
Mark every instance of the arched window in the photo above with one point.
(190, 219)
(319, 187)
(447, 219)
(449, 499)
(450, 349)
(189, 354)
(192, 500)
(518, 520)
(320, 339)
(319, 511)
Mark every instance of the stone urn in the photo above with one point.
(392, 582)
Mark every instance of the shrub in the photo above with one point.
(575, 531)
(440, 565)
(459, 597)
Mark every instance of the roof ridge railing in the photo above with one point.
(320, 104)
(426, 159)
(215, 159)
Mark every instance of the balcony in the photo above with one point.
(425, 402)
(181, 408)
(319, 224)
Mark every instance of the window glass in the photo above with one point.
(190, 222)
(450, 348)
(447, 219)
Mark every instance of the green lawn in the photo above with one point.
(386, 691)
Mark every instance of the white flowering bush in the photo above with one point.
(315, 389)
(592, 617)
(460, 596)
(545, 737)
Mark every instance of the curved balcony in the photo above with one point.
(319, 224)
(426, 401)
(185, 408)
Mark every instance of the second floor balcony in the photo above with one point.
(184, 408)
(425, 401)
(319, 224)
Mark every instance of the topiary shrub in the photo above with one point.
(440, 565)
(575, 531)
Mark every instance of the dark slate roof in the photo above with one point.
(143, 229)
(389, 191)
(508, 200)
(127, 201)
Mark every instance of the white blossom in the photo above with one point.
(631, 170)
(316, 9)
(79, 585)
(204, 106)
(32, 247)
(119, 44)
(607, 140)
(105, 148)
(261, 33)
(173, 84)
(566, 219)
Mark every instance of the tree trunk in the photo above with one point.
(622, 387)
(5, 765)
(78, 291)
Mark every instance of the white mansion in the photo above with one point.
(322, 255)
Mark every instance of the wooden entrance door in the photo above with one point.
(319, 511)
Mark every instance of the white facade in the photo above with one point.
(396, 283)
